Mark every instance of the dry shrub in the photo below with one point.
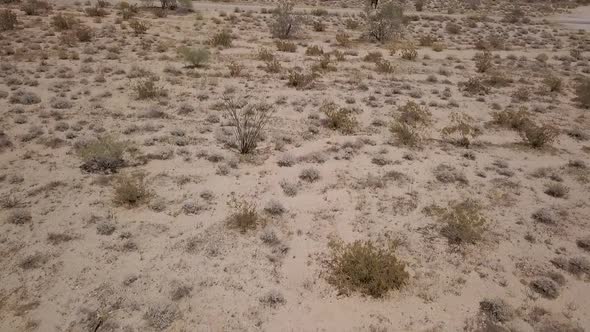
(103, 155)
(385, 22)
(384, 66)
(63, 22)
(474, 86)
(411, 125)
(235, 69)
(553, 83)
(285, 46)
(196, 57)
(483, 61)
(314, 50)
(461, 129)
(131, 190)
(339, 118)
(464, 222)
(221, 39)
(511, 119)
(365, 267)
(35, 7)
(249, 122)
(139, 27)
(96, 11)
(409, 52)
(343, 39)
(583, 93)
(265, 55)
(300, 80)
(8, 20)
(148, 89)
(244, 216)
(284, 23)
(538, 136)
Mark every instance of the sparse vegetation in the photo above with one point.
(411, 125)
(103, 155)
(284, 23)
(195, 57)
(339, 118)
(464, 222)
(244, 216)
(384, 22)
(461, 129)
(131, 190)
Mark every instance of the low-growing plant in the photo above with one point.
(339, 118)
(235, 69)
(265, 55)
(384, 66)
(196, 57)
(131, 190)
(96, 11)
(474, 86)
(249, 121)
(461, 130)
(244, 215)
(35, 7)
(343, 39)
(411, 124)
(367, 268)
(538, 136)
(273, 66)
(409, 52)
(553, 83)
(8, 20)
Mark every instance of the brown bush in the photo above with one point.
(8, 20)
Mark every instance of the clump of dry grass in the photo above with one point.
(365, 267)
(131, 190)
(244, 216)
(309, 174)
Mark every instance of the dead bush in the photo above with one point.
(365, 267)
(483, 61)
(222, 39)
(35, 7)
(309, 174)
(474, 86)
(511, 119)
(285, 46)
(63, 22)
(249, 121)
(139, 27)
(148, 89)
(300, 80)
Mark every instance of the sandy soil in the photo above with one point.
(76, 254)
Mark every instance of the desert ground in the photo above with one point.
(307, 166)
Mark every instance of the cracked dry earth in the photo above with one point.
(126, 205)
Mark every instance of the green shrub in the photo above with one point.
(338, 118)
(131, 190)
(366, 268)
(196, 57)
